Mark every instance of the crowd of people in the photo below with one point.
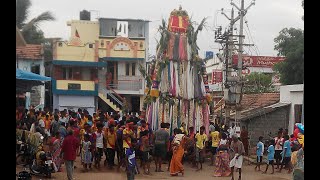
(129, 138)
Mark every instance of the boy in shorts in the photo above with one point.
(271, 152)
(286, 154)
(260, 148)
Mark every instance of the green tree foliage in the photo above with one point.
(290, 43)
(258, 83)
(30, 30)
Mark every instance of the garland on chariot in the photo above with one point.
(177, 83)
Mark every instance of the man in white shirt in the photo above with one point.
(232, 130)
(211, 127)
(98, 136)
(63, 118)
(41, 123)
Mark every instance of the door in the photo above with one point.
(135, 102)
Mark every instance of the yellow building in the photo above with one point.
(98, 66)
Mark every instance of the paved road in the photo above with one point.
(190, 174)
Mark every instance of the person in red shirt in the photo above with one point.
(68, 149)
(76, 132)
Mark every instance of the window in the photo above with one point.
(133, 69)
(297, 112)
(67, 73)
(122, 28)
(35, 69)
(127, 69)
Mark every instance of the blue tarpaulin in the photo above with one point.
(25, 75)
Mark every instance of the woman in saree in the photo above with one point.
(56, 150)
(222, 158)
(178, 145)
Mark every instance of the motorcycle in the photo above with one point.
(24, 154)
(24, 175)
(42, 163)
(45, 167)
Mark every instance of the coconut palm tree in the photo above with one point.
(30, 30)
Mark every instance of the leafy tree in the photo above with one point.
(30, 30)
(290, 43)
(258, 83)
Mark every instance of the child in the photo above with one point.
(98, 141)
(214, 136)
(110, 140)
(271, 152)
(260, 149)
(223, 143)
(145, 149)
(191, 133)
(286, 154)
(201, 139)
(86, 155)
(130, 160)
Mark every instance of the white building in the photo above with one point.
(293, 94)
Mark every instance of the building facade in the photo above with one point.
(293, 94)
(30, 58)
(251, 64)
(99, 66)
(266, 123)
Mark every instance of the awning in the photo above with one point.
(79, 63)
(25, 75)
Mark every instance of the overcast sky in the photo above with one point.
(265, 19)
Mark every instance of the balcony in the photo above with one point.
(75, 87)
(128, 86)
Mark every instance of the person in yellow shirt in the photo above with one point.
(214, 136)
(111, 138)
(83, 121)
(144, 126)
(201, 140)
(127, 135)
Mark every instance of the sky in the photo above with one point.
(264, 20)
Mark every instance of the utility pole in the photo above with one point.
(233, 85)
(239, 85)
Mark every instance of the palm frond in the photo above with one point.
(22, 12)
(35, 22)
(164, 39)
(142, 70)
(195, 36)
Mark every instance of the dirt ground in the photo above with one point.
(248, 173)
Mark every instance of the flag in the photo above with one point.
(77, 34)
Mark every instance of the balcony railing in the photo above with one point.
(127, 85)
